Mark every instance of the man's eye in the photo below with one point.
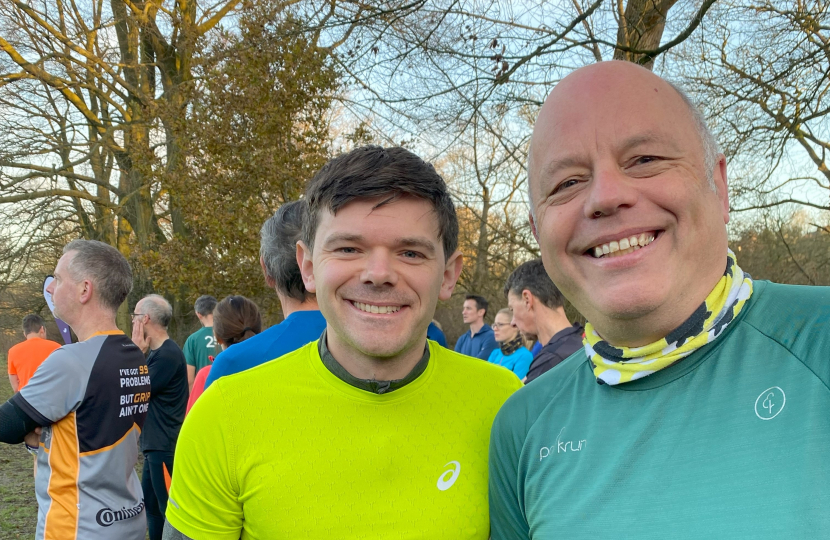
(566, 184)
(411, 254)
(642, 160)
(347, 250)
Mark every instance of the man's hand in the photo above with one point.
(33, 438)
(138, 335)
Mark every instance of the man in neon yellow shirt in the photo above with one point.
(372, 431)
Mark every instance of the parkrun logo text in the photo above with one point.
(562, 447)
(107, 516)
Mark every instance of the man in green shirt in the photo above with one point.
(698, 406)
(372, 431)
(201, 345)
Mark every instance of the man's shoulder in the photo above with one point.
(474, 372)
(797, 317)
(272, 343)
(525, 406)
(268, 374)
(198, 334)
(170, 350)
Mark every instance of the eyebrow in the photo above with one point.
(628, 144)
(407, 241)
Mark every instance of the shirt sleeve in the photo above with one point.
(204, 495)
(507, 518)
(217, 369)
(11, 367)
(56, 388)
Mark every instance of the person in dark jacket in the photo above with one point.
(168, 399)
(538, 310)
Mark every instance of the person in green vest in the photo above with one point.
(200, 347)
(698, 405)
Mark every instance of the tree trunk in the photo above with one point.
(641, 29)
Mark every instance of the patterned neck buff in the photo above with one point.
(509, 347)
(616, 365)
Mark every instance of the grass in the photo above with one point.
(18, 506)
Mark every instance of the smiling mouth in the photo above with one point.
(372, 308)
(622, 246)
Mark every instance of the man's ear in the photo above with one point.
(533, 226)
(306, 264)
(85, 289)
(528, 299)
(271, 282)
(721, 185)
(452, 269)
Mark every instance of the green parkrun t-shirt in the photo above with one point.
(288, 450)
(199, 345)
(731, 442)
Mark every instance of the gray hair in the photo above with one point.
(205, 305)
(158, 309)
(104, 266)
(711, 148)
(278, 249)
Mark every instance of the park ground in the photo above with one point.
(18, 507)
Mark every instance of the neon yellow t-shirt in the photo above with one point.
(288, 450)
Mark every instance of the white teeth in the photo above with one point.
(624, 246)
(371, 308)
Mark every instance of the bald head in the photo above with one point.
(629, 226)
(617, 87)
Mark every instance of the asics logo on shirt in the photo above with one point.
(448, 477)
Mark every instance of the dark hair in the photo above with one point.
(481, 302)
(205, 305)
(105, 267)
(278, 249)
(370, 172)
(236, 319)
(532, 276)
(32, 324)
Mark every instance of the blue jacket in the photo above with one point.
(479, 345)
(518, 362)
(298, 329)
(435, 334)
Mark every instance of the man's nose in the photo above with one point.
(609, 190)
(379, 269)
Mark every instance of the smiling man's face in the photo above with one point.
(378, 274)
(629, 227)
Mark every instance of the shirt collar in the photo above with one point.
(369, 385)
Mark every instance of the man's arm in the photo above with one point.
(15, 424)
(191, 377)
(14, 381)
(170, 533)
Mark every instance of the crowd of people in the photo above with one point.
(690, 393)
